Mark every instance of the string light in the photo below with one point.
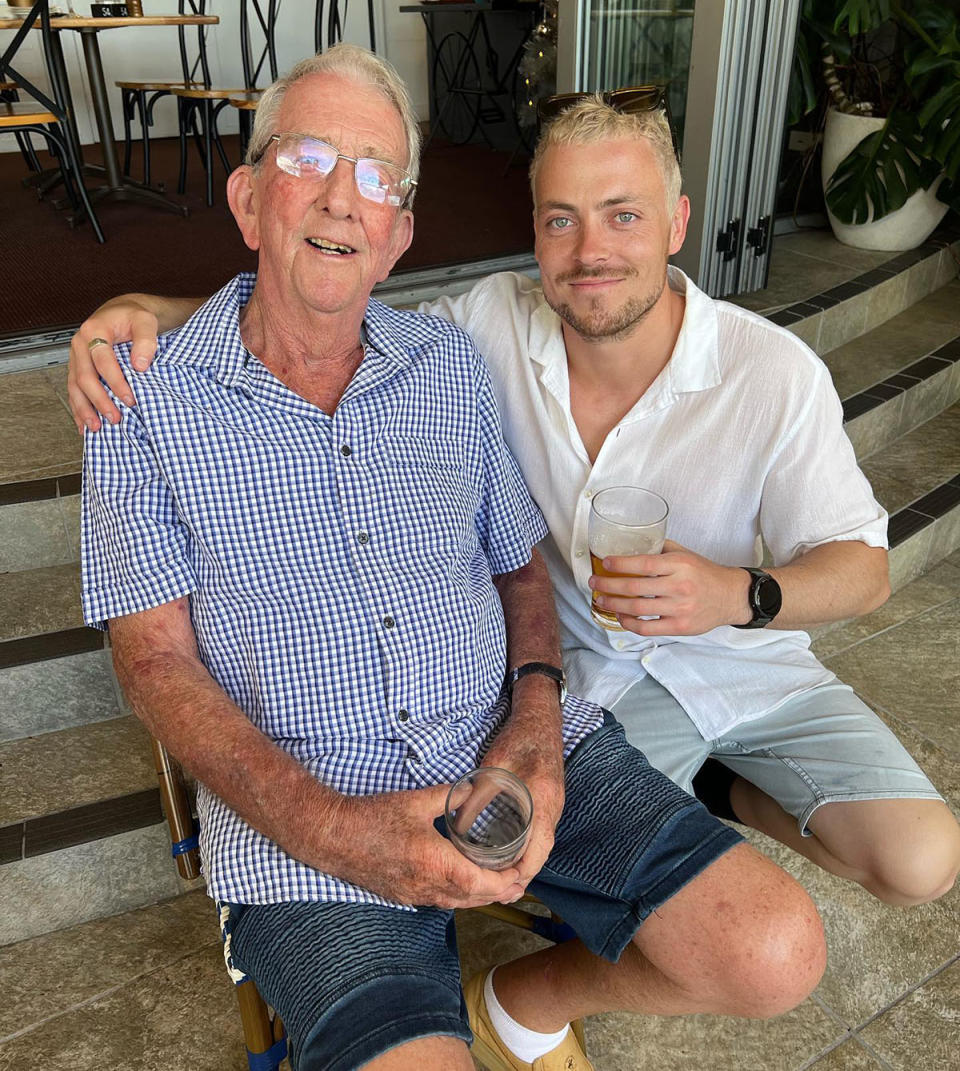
(538, 66)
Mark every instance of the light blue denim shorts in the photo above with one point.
(824, 746)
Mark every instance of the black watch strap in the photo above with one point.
(764, 598)
(553, 672)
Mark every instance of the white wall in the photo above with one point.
(149, 52)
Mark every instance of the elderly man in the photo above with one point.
(618, 370)
(317, 561)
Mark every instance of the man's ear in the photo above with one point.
(241, 196)
(399, 242)
(678, 225)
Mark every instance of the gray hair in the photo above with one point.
(592, 119)
(349, 61)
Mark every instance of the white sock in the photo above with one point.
(526, 1045)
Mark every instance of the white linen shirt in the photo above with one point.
(742, 434)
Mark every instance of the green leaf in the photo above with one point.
(859, 16)
(803, 92)
(880, 173)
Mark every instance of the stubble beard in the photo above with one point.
(598, 326)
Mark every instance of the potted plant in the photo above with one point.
(887, 75)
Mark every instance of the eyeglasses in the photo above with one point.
(309, 158)
(630, 100)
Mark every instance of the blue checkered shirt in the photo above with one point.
(339, 568)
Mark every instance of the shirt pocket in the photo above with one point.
(435, 487)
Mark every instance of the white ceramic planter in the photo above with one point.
(903, 229)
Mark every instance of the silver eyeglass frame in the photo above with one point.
(411, 183)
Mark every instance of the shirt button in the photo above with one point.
(388, 622)
(363, 538)
(345, 450)
(579, 554)
(588, 494)
(403, 715)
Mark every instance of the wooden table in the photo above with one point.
(117, 186)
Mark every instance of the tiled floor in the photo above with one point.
(124, 993)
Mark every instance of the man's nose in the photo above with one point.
(592, 245)
(338, 191)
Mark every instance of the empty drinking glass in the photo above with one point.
(488, 815)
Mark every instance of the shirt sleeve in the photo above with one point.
(814, 492)
(509, 523)
(134, 550)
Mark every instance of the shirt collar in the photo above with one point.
(210, 340)
(694, 364)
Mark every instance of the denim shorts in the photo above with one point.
(351, 981)
(822, 746)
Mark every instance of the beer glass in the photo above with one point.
(623, 520)
(488, 815)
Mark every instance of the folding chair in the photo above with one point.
(45, 116)
(263, 1031)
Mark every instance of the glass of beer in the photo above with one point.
(488, 815)
(623, 520)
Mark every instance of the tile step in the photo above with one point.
(838, 313)
(88, 881)
(54, 784)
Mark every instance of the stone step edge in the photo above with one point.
(853, 309)
(77, 825)
(116, 874)
(923, 511)
(39, 835)
(925, 367)
(17, 491)
(809, 307)
(859, 284)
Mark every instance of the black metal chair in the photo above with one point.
(138, 99)
(10, 94)
(45, 115)
(201, 106)
(328, 24)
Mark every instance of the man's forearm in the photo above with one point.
(170, 312)
(832, 582)
(533, 635)
(181, 705)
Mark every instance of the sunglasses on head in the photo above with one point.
(310, 158)
(630, 100)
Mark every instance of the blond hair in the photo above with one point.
(357, 64)
(592, 119)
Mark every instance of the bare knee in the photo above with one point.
(778, 960)
(743, 938)
(917, 869)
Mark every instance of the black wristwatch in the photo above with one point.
(553, 672)
(764, 597)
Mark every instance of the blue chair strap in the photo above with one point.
(269, 1060)
(181, 847)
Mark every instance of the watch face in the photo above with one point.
(767, 596)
